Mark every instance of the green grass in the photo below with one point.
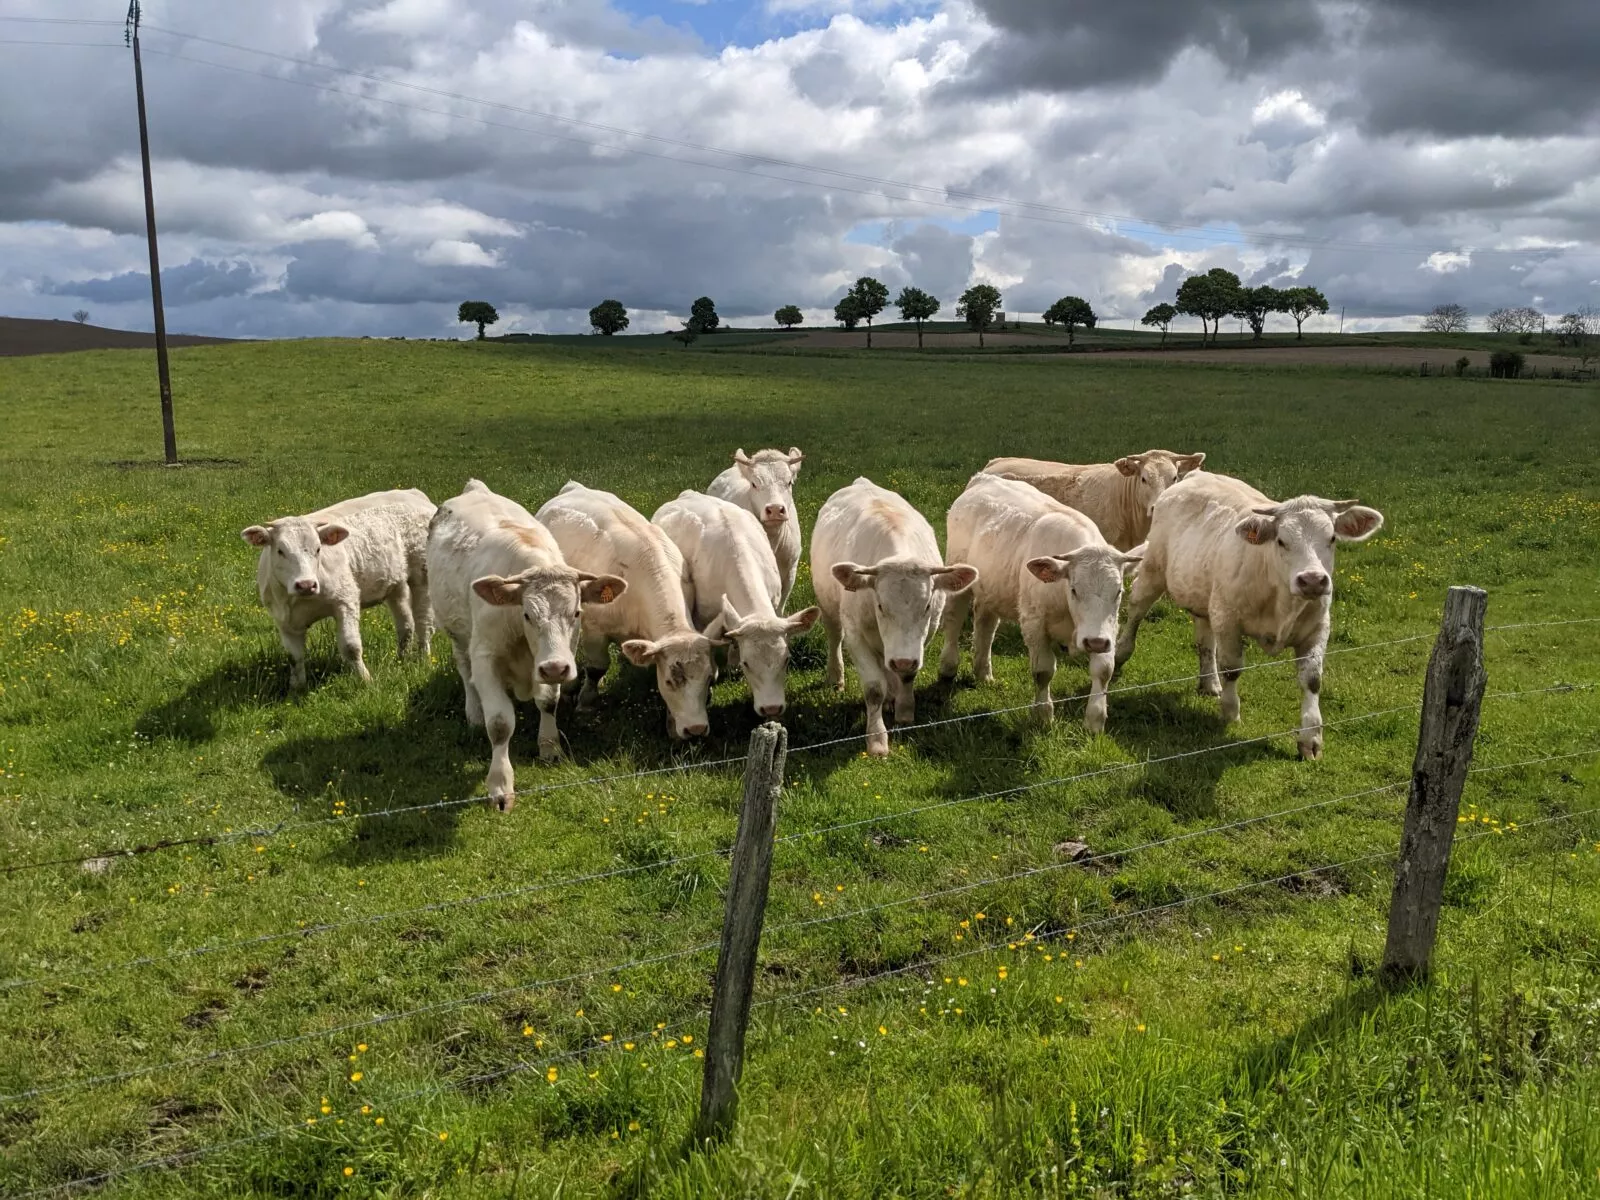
(1234, 1046)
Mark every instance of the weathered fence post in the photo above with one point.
(741, 930)
(1451, 699)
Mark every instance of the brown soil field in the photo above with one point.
(21, 335)
(1406, 357)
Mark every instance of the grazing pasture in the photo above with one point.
(328, 996)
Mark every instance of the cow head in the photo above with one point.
(293, 546)
(1093, 577)
(551, 599)
(684, 668)
(769, 477)
(908, 598)
(1154, 471)
(1301, 533)
(764, 652)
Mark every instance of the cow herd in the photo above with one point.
(703, 584)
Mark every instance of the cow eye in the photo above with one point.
(280, 552)
(1283, 543)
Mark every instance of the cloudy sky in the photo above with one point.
(361, 166)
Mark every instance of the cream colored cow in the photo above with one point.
(1044, 566)
(882, 587)
(1118, 497)
(1246, 566)
(763, 486)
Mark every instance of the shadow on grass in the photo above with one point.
(191, 715)
(1265, 1065)
(416, 760)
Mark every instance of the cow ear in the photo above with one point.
(740, 457)
(852, 577)
(730, 619)
(1257, 529)
(640, 652)
(1130, 564)
(957, 577)
(1357, 524)
(600, 589)
(718, 633)
(331, 534)
(1189, 462)
(499, 591)
(803, 620)
(1046, 569)
(1128, 465)
(795, 459)
(257, 535)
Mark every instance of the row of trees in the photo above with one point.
(1219, 294)
(1569, 329)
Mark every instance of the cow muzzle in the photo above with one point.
(1096, 645)
(775, 514)
(306, 587)
(556, 672)
(1312, 584)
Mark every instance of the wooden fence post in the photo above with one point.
(1451, 700)
(746, 908)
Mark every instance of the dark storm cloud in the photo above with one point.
(195, 282)
(1447, 67)
(1076, 44)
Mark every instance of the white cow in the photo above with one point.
(764, 486)
(1245, 566)
(510, 604)
(338, 560)
(1118, 497)
(598, 532)
(734, 577)
(882, 587)
(1045, 566)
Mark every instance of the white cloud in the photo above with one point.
(1446, 262)
(447, 252)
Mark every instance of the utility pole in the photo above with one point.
(1341, 320)
(168, 433)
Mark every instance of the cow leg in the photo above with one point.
(1229, 643)
(984, 626)
(835, 635)
(1205, 646)
(399, 602)
(875, 685)
(1101, 667)
(1310, 670)
(596, 653)
(1042, 660)
(1148, 586)
(904, 695)
(422, 612)
(464, 669)
(955, 619)
(348, 622)
(547, 696)
(500, 719)
(294, 641)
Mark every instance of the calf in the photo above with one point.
(1245, 566)
(734, 577)
(597, 532)
(338, 560)
(510, 604)
(1118, 497)
(1045, 566)
(881, 585)
(764, 486)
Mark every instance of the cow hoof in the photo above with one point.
(503, 801)
(549, 752)
(878, 747)
(1311, 752)
(1213, 690)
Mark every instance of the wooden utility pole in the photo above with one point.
(1451, 700)
(746, 908)
(168, 433)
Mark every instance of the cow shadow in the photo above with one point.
(419, 761)
(191, 715)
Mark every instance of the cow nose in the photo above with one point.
(306, 587)
(1097, 645)
(555, 672)
(776, 512)
(699, 730)
(903, 666)
(772, 710)
(1311, 583)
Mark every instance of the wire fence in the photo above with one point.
(287, 826)
(779, 929)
